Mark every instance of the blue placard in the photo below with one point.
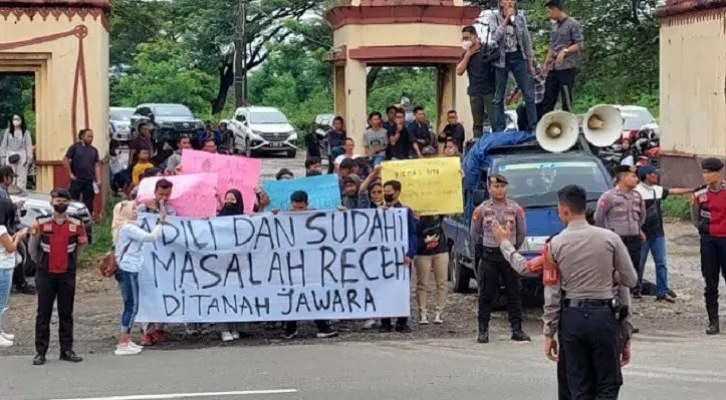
(323, 192)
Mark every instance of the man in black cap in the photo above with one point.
(492, 263)
(55, 244)
(622, 210)
(708, 214)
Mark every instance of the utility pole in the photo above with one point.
(240, 55)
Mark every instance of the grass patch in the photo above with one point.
(678, 207)
(102, 240)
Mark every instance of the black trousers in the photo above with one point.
(713, 266)
(322, 325)
(400, 321)
(563, 387)
(554, 85)
(493, 266)
(19, 277)
(482, 109)
(82, 190)
(51, 287)
(634, 244)
(591, 349)
(522, 122)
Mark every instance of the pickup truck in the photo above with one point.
(534, 176)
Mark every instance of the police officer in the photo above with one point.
(622, 210)
(535, 267)
(591, 263)
(493, 265)
(708, 214)
(55, 244)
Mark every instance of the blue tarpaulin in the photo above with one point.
(478, 156)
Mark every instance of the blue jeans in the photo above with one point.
(515, 64)
(379, 158)
(6, 284)
(656, 246)
(128, 282)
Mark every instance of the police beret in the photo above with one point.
(60, 194)
(712, 164)
(498, 179)
(626, 168)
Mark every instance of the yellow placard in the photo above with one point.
(430, 186)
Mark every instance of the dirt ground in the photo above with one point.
(98, 307)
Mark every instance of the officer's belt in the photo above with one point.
(588, 303)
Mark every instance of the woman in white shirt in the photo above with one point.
(7, 262)
(129, 242)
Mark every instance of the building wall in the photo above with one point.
(50, 43)
(407, 34)
(692, 93)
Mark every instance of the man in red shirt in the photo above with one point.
(55, 244)
(708, 214)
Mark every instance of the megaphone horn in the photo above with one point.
(557, 131)
(603, 125)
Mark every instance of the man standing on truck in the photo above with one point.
(708, 213)
(493, 264)
(622, 210)
(477, 63)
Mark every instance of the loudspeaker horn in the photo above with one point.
(602, 125)
(557, 131)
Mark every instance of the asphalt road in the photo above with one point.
(664, 366)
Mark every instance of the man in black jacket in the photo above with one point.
(477, 63)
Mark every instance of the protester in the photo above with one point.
(391, 118)
(284, 174)
(212, 134)
(6, 180)
(451, 149)
(655, 242)
(210, 146)
(10, 244)
(563, 57)
(84, 167)
(454, 131)
(353, 198)
(141, 165)
(420, 132)
(627, 155)
(233, 205)
(299, 202)
(173, 163)
(361, 167)
(477, 62)
(7, 177)
(432, 253)
(312, 143)
(336, 137)
(538, 80)
(375, 138)
(129, 240)
(313, 166)
(16, 149)
(154, 333)
(510, 32)
(142, 141)
(348, 147)
(399, 140)
(391, 194)
(54, 245)
(373, 187)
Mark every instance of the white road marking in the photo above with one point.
(187, 395)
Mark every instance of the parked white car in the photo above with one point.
(263, 129)
(636, 118)
(120, 119)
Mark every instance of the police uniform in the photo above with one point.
(493, 264)
(623, 213)
(537, 266)
(708, 214)
(54, 246)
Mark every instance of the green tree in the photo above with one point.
(134, 22)
(162, 72)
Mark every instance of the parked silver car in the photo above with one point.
(120, 119)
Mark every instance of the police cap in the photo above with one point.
(712, 165)
(626, 168)
(497, 178)
(59, 193)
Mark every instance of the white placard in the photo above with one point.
(291, 266)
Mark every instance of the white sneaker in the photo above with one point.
(7, 336)
(126, 350)
(424, 319)
(5, 342)
(135, 346)
(227, 337)
(437, 319)
(235, 335)
(369, 324)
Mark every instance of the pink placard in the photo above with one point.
(233, 172)
(193, 195)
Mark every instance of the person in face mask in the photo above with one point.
(54, 245)
(16, 149)
(233, 205)
(129, 240)
(477, 63)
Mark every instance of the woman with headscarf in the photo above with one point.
(7, 262)
(129, 242)
(16, 149)
(233, 205)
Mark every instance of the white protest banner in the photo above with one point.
(290, 266)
